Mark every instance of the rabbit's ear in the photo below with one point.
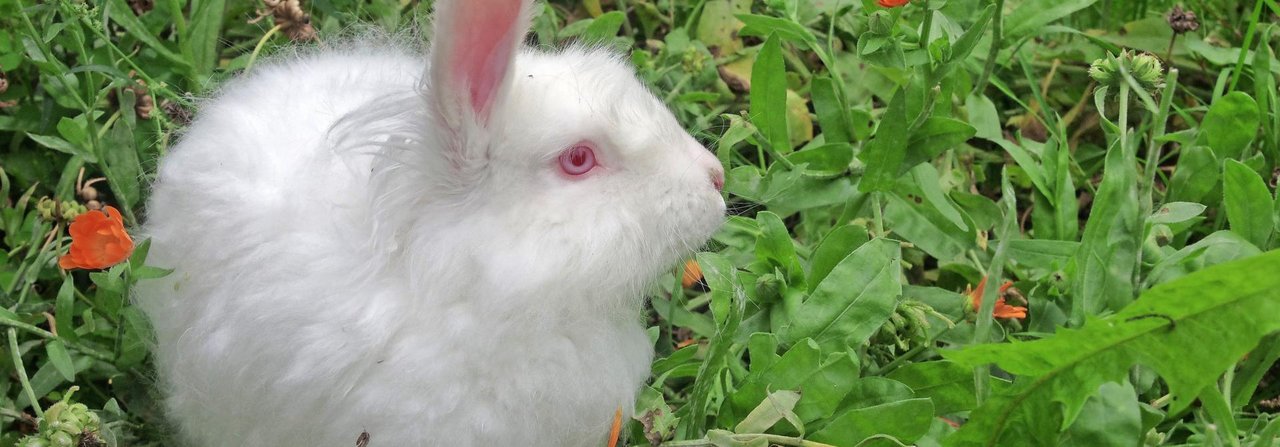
(474, 45)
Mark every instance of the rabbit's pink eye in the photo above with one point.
(577, 160)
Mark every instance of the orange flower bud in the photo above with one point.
(892, 3)
(98, 241)
(692, 273)
(1002, 310)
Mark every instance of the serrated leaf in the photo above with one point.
(1190, 331)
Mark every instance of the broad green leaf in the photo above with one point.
(776, 247)
(788, 372)
(834, 248)
(775, 407)
(120, 161)
(63, 146)
(1190, 331)
(926, 177)
(934, 137)
(833, 116)
(1042, 253)
(884, 154)
(61, 359)
(135, 339)
(1230, 125)
(907, 214)
(202, 40)
(121, 14)
(1248, 203)
(1030, 17)
(605, 27)
(1109, 418)
(721, 277)
(825, 390)
(1195, 176)
(828, 160)
(853, 301)
(1175, 212)
(949, 385)
(1108, 249)
(1216, 248)
(760, 26)
(725, 438)
(983, 117)
(904, 420)
(769, 95)
(64, 309)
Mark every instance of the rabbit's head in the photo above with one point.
(582, 177)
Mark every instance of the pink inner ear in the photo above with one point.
(483, 47)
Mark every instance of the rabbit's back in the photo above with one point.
(263, 221)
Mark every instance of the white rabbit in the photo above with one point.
(440, 250)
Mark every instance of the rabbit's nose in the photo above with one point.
(708, 161)
(717, 177)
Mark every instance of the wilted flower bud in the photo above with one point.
(1145, 68)
(1182, 20)
(692, 60)
(46, 208)
(64, 425)
(71, 209)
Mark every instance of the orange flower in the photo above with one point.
(1001, 310)
(617, 428)
(892, 3)
(98, 241)
(692, 273)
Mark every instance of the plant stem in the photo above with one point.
(22, 373)
(1248, 43)
(997, 39)
(990, 290)
(258, 48)
(926, 29)
(746, 438)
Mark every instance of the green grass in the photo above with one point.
(882, 162)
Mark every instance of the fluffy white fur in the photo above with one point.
(354, 252)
